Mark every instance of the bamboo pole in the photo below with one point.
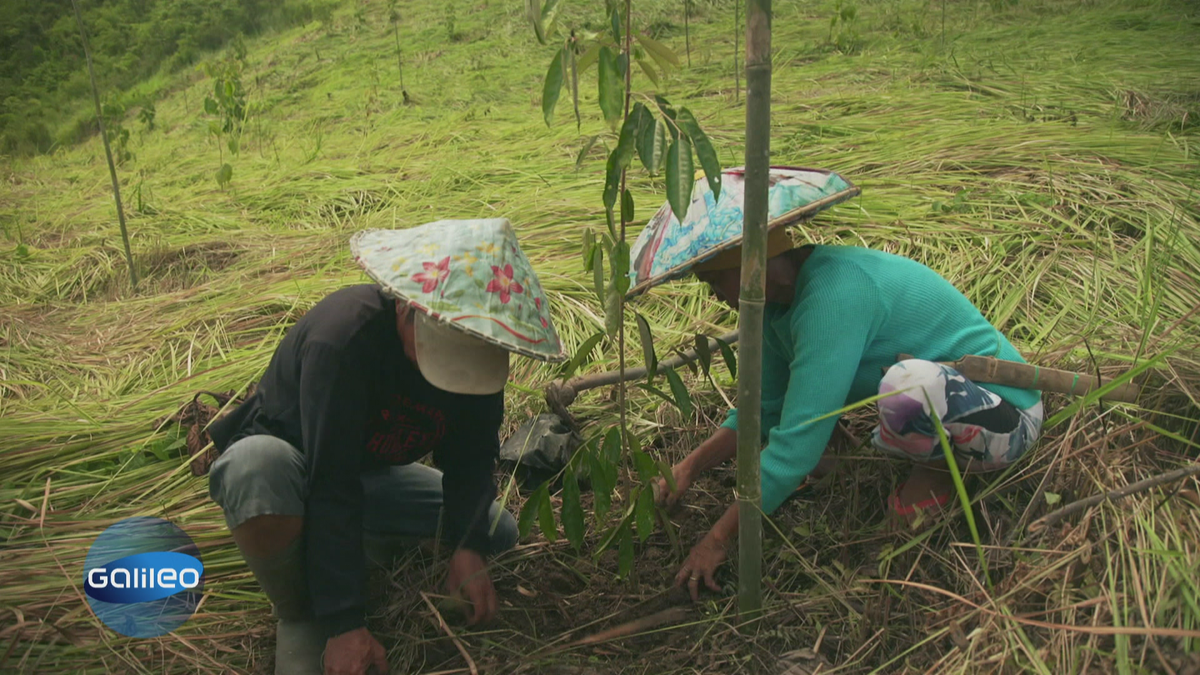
(737, 25)
(751, 304)
(112, 168)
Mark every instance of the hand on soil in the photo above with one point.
(355, 653)
(469, 577)
(701, 563)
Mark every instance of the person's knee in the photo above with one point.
(259, 475)
(253, 459)
(913, 375)
(504, 535)
(923, 382)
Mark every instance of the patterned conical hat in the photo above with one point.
(668, 249)
(467, 274)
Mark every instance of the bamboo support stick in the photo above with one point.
(1112, 496)
(751, 304)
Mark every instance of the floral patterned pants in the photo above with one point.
(982, 428)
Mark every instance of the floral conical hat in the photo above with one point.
(668, 249)
(468, 274)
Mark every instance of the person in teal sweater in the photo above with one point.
(836, 318)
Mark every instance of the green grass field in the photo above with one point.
(1040, 154)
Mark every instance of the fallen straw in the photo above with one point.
(671, 615)
(441, 622)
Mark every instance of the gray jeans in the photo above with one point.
(264, 475)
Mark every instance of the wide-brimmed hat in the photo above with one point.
(668, 249)
(477, 296)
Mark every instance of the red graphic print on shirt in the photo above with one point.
(405, 431)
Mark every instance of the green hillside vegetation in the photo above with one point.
(137, 45)
(1040, 154)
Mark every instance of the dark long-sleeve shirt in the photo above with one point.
(340, 389)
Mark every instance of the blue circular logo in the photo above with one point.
(143, 577)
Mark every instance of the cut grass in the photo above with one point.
(1042, 157)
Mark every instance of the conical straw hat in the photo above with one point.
(469, 275)
(668, 249)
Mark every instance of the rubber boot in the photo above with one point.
(299, 641)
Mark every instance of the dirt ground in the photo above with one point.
(552, 599)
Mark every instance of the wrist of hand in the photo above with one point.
(717, 539)
(690, 466)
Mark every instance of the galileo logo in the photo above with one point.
(143, 577)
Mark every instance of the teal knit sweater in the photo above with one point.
(854, 310)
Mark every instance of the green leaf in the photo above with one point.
(233, 144)
(528, 515)
(657, 392)
(612, 89)
(644, 514)
(612, 446)
(648, 70)
(620, 266)
(1052, 498)
(552, 87)
(587, 58)
(210, 106)
(582, 354)
(612, 309)
(625, 552)
(627, 141)
(583, 151)
(601, 485)
(589, 249)
(665, 106)
(647, 347)
(615, 20)
(683, 399)
(612, 184)
(598, 274)
(533, 12)
(546, 514)
(704, 150)
(652, 143)
(632, 440)
(668, 475)
(224, 174)
(686, 361)
(729, 357)
(703, 354)
(572, 511)
(658, 49)
(646, 467)
(627, 207)
(549, 12)
(680, 173)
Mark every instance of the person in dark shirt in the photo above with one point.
(322, 458)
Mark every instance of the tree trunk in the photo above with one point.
(112, 168)
(751, 305)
